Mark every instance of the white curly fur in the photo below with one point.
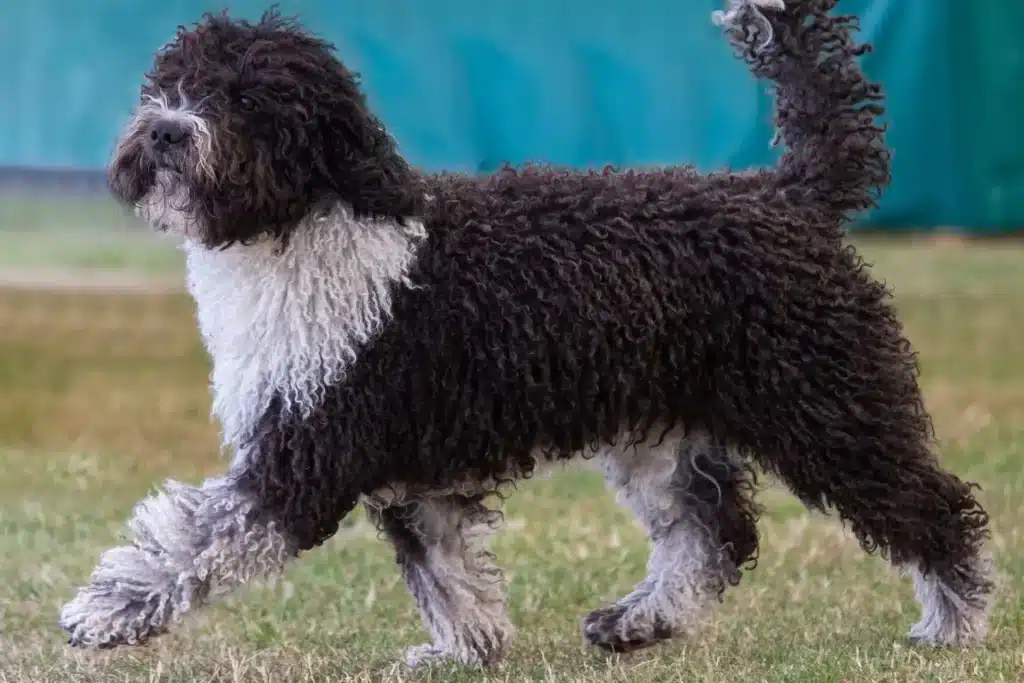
(948, 619)
(189, 544)
(291, 323)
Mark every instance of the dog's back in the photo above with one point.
(573, 310)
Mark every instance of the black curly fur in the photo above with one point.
(826, 111)
(556, 310)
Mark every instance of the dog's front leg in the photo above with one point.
(440, 546)
(291, 483)
(189, 544)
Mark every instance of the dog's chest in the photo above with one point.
(287, 324)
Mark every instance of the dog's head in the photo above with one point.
(244, 128)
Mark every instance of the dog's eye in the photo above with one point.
(246, 103)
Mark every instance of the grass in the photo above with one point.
(104, 396)
(82, 234)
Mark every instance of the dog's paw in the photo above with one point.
(952, 632)
(131, 597)
(99, 617)
(465, 653)
(620, 629)
(420, 656)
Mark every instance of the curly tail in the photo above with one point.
(826, 110)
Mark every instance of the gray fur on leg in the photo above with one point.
(189, 544)
(440, 547)
(687, 569)
(949, 617)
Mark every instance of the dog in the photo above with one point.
(413, 342)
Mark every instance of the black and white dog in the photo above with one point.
(415, 341)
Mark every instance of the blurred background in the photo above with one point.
(468, 85)
(103, 381)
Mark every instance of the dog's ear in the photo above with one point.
(358, 158)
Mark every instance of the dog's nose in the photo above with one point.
(167, 133)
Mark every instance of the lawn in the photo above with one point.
(85, 234)
(104, 396)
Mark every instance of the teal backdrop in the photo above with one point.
(469, 84)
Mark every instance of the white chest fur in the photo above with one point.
(289, 323)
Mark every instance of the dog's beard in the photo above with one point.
(168, 206)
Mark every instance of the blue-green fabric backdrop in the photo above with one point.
(468, 84)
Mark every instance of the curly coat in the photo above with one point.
(415, 341)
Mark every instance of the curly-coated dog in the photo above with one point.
(415, 341)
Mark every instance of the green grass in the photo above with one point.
(83, 235)
(54, 213)
(104, 396)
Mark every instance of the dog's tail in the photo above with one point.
(826, 110)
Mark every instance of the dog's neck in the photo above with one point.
(288, 323)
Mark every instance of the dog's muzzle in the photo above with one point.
(167, 135)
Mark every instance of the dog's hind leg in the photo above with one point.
(439, 544)
(898, 500)
(695, 498)
(190, 544)
(831, 403)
